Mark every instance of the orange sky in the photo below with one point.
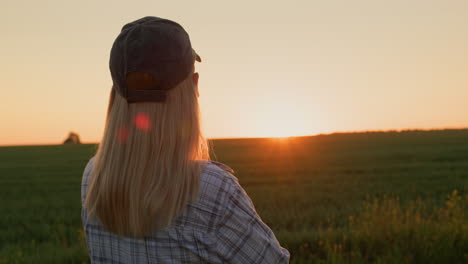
(270, 68)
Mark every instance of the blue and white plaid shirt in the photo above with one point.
(222, 226)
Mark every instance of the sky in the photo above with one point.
(270, 68)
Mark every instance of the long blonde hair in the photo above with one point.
(148, 165)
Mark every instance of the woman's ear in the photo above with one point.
(195, 78)
(195, 81)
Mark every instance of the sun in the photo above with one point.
(282, 133)
(279, 123)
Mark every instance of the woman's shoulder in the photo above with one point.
(87, 170)
(212, 171)
(85, 178)
(222, 166)
(90, 163)
(215, 176)
(218, 172)
(217, 181)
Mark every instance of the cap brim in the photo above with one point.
(196, 56)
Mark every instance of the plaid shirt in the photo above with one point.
(222, 226)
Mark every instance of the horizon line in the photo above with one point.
(309, 135)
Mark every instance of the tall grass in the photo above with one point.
(388, 231)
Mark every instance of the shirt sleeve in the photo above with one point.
(242, 237)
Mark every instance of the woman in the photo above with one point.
(151, 193)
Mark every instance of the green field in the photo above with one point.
(394, 197)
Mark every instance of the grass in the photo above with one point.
(394, 197)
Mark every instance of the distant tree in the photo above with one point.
(73, 138)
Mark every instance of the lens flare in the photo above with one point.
(142, 122)
(122, 134)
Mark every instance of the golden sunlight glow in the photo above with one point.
(281, 122)
(354, 67)
(282, 134)
(280, 140)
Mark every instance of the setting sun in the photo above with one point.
(281, 121)
(339, 74)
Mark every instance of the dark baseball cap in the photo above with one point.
(153, 45)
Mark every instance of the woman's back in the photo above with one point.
(151, 193)
(221, 226)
